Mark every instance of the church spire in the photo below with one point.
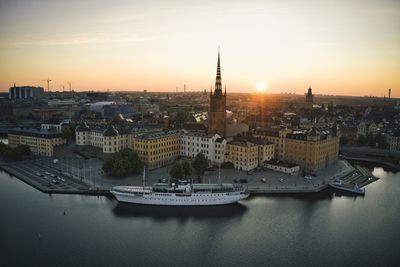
(218, 84)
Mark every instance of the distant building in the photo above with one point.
(393, 140)
(365, 128)
(40, 141)
(217, 114)
(25, 92)
(212, 147)
(309, 96)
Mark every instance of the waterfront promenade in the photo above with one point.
(86, 177)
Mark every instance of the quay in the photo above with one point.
(26, 172)
(260, 182)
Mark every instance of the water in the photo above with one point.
(303, 230)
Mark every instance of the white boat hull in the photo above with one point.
(172, 199)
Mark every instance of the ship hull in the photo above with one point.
(197, 199)
(350, 190)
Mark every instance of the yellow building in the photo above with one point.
(157, 149)
(243, 154)
(313, 149)
(40, 141)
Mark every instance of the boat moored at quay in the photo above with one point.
(181, 194)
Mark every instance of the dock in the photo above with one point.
(27, 171)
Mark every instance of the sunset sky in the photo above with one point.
(338, 47)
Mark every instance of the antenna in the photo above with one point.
(48, 84)
(69, 83)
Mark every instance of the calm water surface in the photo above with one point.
(324, 229)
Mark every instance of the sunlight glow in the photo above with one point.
(260, 86)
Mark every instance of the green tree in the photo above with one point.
(177, 171)
(122, 163)
(187, 169)
(200, 163)
(68, 132)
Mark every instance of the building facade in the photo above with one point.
(312, 149)
(212, 147)
(243, 155)
(25, 92)
(40, 141)
(109, 140)
(157, 149)
(217, 114)
(364, 128)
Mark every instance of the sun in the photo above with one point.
(260, 86)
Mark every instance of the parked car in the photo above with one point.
(55, 161)
(281, 180)
(250, 172)
(235, 181)
(39, 174)
(263, 180)
(243, 180)
(308, 177)
(53, 175)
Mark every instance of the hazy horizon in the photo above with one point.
(338, 48)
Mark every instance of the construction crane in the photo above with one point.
(69, 83)
(48, 84)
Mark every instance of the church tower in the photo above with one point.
(217, 114)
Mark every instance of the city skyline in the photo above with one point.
(336, 48)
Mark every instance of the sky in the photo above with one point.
(340, 47)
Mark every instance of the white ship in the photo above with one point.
(182, 193)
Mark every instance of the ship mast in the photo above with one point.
(219, 174)
(144, 176)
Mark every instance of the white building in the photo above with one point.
(365, 128)
(284, 167)
(110, 140)
(54, 124)
(212, 147)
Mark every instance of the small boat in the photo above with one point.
(339, 184)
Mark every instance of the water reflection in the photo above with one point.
(166, 212)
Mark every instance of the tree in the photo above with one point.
(187, 169)
(69, 132)
(122, 163)
(200, 163)
(20, 152)
(177, 171)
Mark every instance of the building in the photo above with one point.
(364, 128)
(109, 140)
(393, 140)
(25, 92)
(281, 166)
(309, 96)
(217, 114)
(243, 154)
(211, 146)
(349, 133)
(54, 124)
(40, 141)
(312, 149)
(157, 149)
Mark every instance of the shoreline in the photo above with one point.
(79, 187)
